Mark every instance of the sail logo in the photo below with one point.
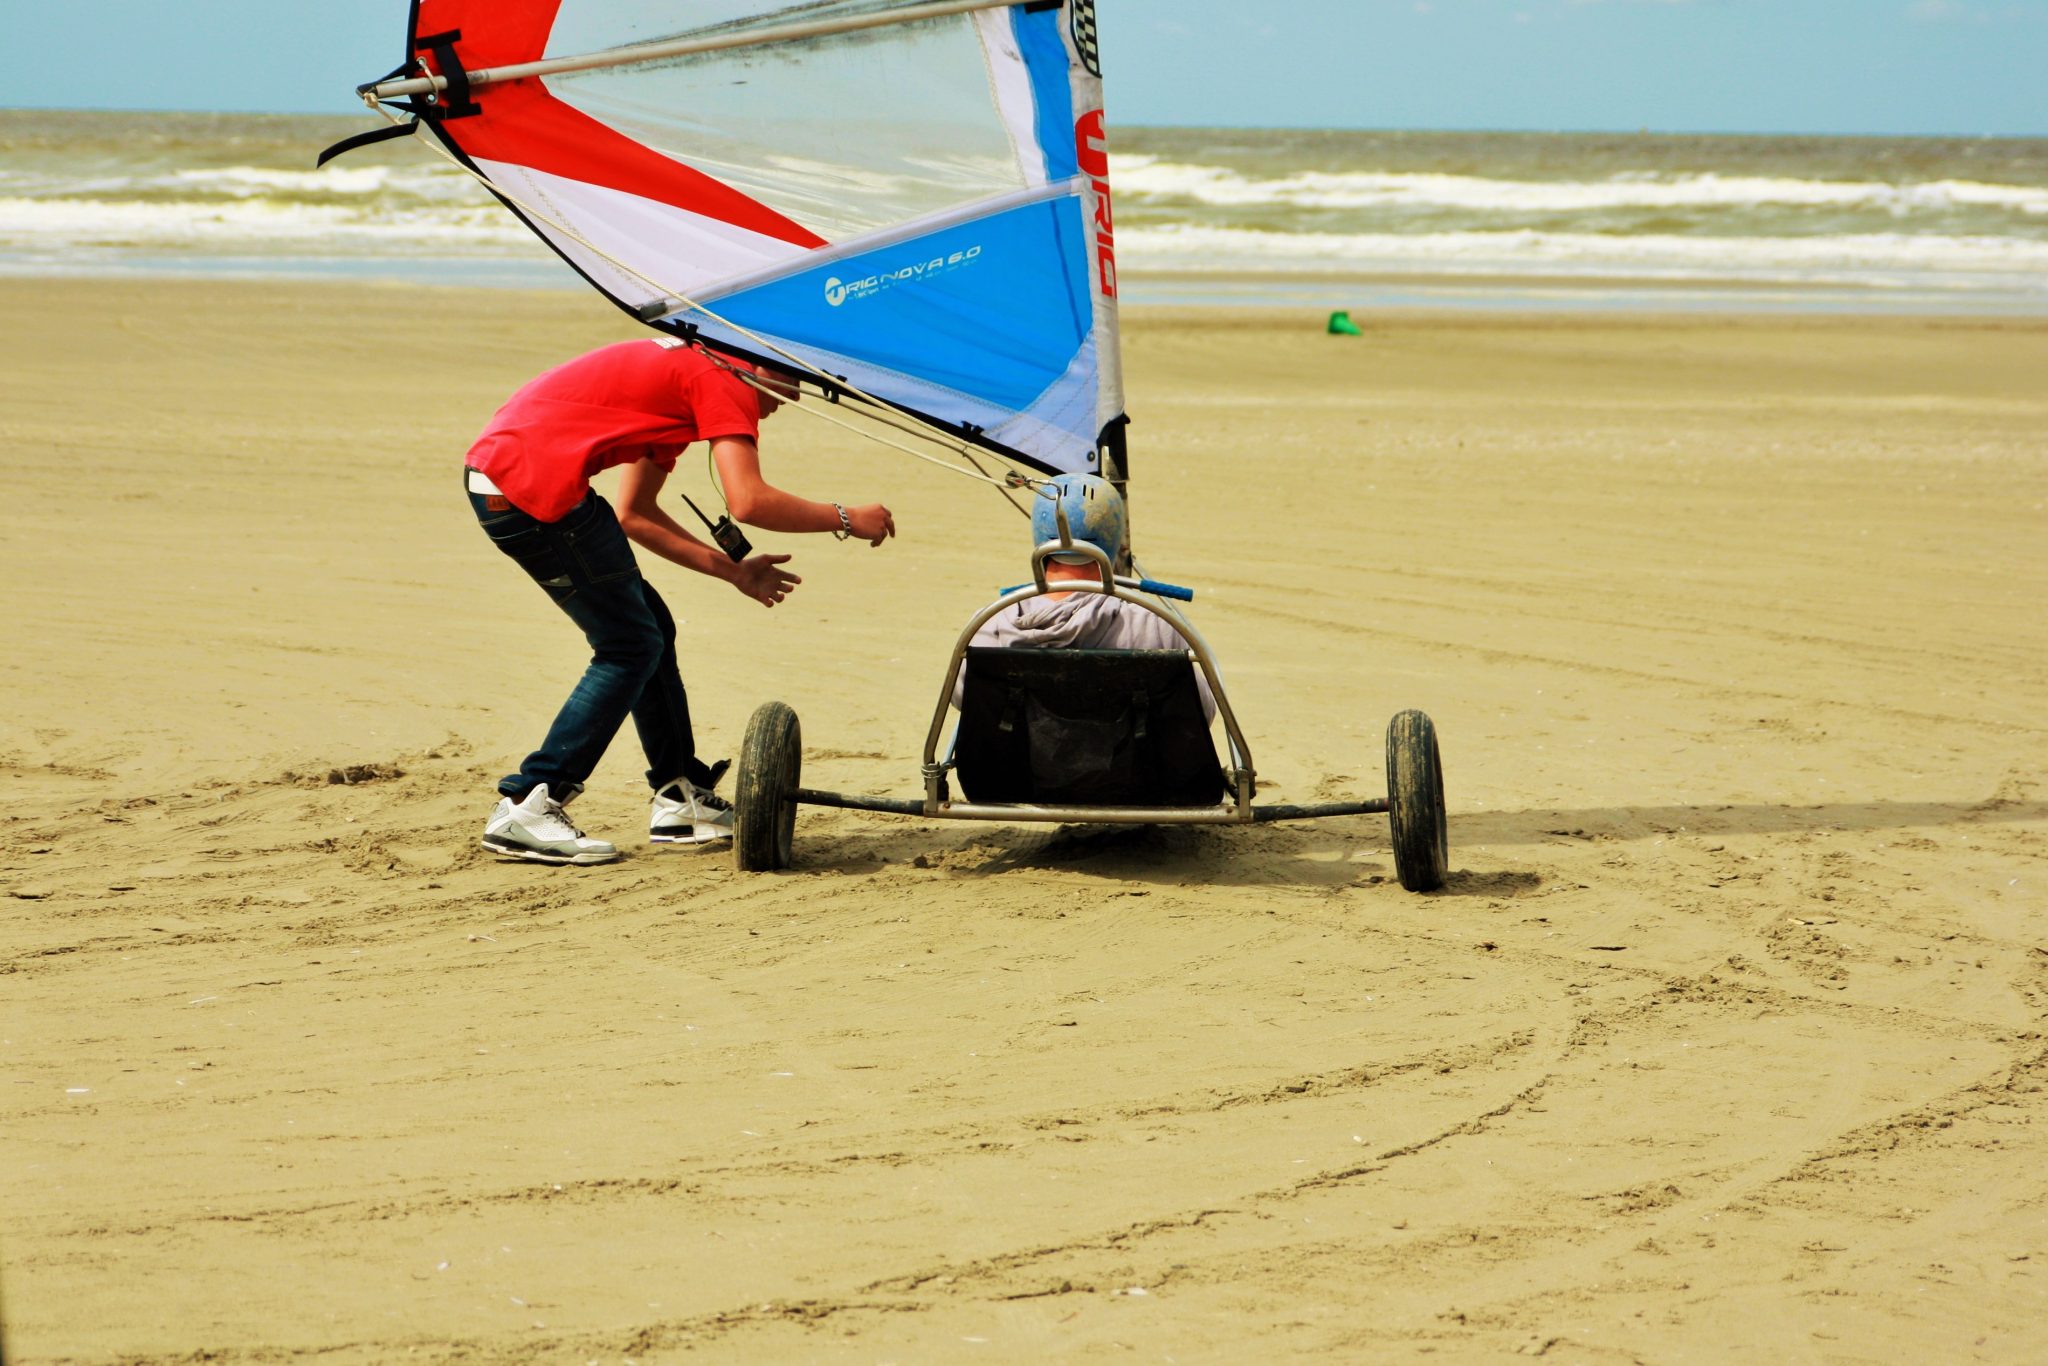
(1091, 152)
(1085, 42)
(838, 292)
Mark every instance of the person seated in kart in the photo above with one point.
(1080, 620)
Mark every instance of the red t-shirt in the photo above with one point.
(632, 400)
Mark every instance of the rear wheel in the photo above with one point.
(764, 798)
(1415, 803)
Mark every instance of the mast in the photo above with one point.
(1113, 459)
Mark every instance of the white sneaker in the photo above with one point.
(539, 829)
(685, 813)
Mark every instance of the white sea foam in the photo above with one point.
(394, 184)
(257, 180)
(246, 224)
(1850, 258)
(1148, 177)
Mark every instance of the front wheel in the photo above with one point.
(764, 798)
(1415, 803)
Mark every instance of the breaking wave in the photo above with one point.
(1868, 258)
(1153, 179)
(252, 225)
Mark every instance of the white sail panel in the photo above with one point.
(798, 127)
(618, 230)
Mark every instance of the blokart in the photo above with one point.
(1104, 737)
(908, 206)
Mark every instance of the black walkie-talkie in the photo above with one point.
(724, 531)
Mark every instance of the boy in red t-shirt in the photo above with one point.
(636, 404)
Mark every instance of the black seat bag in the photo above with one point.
(1056, 727)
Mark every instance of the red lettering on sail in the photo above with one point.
(1091, 153)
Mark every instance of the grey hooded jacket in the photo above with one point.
(1083, 621)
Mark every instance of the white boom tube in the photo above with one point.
(683, 47)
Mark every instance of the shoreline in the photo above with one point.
(1422, 291)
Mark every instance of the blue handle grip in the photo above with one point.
(1166, 590)
(1152, 586)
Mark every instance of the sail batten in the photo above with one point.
(919, 210)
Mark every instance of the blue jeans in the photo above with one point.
(585, 564)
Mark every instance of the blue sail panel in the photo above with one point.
(989, 322)
(1045, 57)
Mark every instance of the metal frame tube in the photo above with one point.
(895, 806)
(1377, 806)
(1091, 815)
(1088, 815)
(683, 47)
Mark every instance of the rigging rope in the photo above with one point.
(975, 474)
(1012, 480)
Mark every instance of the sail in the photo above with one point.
(912, 197)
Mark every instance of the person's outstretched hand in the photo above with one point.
(872, 523)
(762, 578)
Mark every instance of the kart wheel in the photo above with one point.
(1415, 803)
(764, 799)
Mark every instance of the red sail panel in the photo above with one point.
(494, 32)
(522, 124)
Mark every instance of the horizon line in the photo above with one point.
(1613, 131)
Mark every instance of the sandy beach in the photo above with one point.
(1724, 1042)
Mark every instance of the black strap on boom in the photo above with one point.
(349, 144)
(456, 103)
(453, 102)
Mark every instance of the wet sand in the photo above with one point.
(1725, 1039)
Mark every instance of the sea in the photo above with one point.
(1204, 215)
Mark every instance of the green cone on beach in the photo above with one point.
(1342, 326)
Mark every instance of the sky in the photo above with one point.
(1960, 67)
